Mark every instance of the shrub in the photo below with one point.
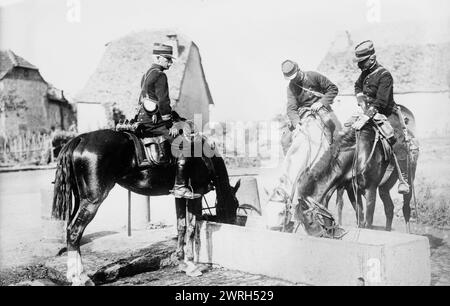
(433, 207)
(59, 139)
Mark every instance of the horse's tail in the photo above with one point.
(64, 182)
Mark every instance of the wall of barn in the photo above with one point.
(26, 93)
(431, 110)
(91, 117)
(193, 97)
(60, 114)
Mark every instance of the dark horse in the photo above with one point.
(336, 169)
(408, 154)
(91, 164)
(339, 166)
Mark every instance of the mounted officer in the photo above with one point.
(309, 99)
(374, 92)
(155, 116)
(308, 90)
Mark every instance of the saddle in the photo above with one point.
(157, 150)
(326, 121)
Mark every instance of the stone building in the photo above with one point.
(115, 84)
(27, 101)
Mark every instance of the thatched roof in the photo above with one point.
(116, 81)
(9, 60)
(417, 56)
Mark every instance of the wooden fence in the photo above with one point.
(25, 149)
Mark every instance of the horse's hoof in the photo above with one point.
(182, 267)
(194, 273)
(192, 270)
(83, 280)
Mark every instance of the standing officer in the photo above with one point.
(374, 91)
(155, 113)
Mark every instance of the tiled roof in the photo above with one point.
(9, 60)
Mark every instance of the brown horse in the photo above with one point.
(354, 157)
(360, 171)
(407, 154)
(91, 164)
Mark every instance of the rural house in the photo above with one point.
(114, 87)
(27, 102)
(419, 60)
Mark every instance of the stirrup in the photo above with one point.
(405, 189)
(182, 193)
(144, 164)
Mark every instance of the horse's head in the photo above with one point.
(233, 193)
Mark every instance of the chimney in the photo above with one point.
(173, 41)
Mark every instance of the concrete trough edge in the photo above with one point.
(317, 261)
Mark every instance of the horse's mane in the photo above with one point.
(345, 140)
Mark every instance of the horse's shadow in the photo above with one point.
(87, 239)
(435, 242)
(92, 236)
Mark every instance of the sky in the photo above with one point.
(242, 42)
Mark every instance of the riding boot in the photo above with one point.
(143, 160)
(144, 164)
(181, 188)
(403, 186)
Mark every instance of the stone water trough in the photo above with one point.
(362, 257)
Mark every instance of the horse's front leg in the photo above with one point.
(371, 196)
(193, 236)
(356, 202)
(340, 204)
(180, 206)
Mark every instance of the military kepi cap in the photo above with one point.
(363, 51)
(289, 69)
(163, 50)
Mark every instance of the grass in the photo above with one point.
(432, 184)
(433, 207)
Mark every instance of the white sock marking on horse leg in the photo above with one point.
(74, 267)
(71, 265)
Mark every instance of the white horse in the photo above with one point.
(309, 142)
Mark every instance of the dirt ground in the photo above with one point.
(25, 256)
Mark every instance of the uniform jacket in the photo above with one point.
(154, 85)
(298, 97)
(378, 86)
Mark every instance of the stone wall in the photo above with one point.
(27, 108)
(24, 93)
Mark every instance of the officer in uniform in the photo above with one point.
(308, 90)
(374, 92)
(154, 117)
